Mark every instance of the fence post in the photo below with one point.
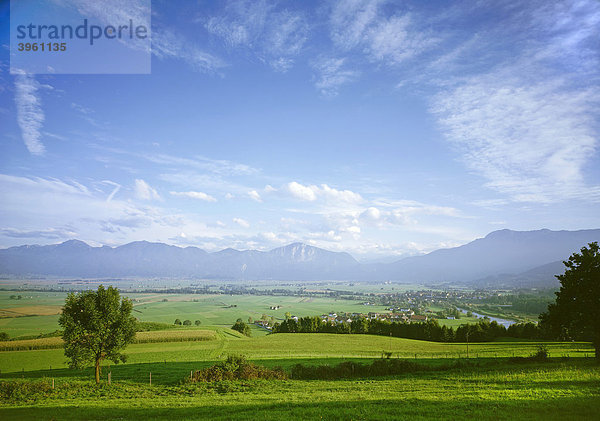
(150, 378)
(191, 377)
(109, 373)
(52, 383)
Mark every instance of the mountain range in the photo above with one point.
(503, 257)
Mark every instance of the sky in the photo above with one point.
(380, 128)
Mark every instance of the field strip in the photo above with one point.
(37, 310)
(140, 338)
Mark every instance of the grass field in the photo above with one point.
(489, 387)
(485, 386)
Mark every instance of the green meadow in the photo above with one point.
(476, 380)
(487, 386)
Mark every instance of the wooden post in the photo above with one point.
(52, 383)
(109, 373)
(191, 376)
(150, 378)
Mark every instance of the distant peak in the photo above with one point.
(74, 243)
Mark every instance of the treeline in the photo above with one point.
(482, 331)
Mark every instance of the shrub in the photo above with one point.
(539, 356)
(187, 322)
(236, 367)
(151, 326)
(3, 336)
(24, 390)
(241, 327)
(197, 322)
(347, 369)
(177, 322)
(541, 353)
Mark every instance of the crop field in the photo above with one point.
(38, 311)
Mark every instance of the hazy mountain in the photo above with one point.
(77, 259)
(499, 253)
(505, 256)
(539, 277)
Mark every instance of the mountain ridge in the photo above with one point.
(501, 254)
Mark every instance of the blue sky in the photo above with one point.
(381, 128)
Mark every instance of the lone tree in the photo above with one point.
(97, 325)
(241, 327)
(576, 312)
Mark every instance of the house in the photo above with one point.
(450, 317)
(417, 318)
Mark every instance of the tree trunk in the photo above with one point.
(98, 371)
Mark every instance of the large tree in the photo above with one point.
(576, 312)
(97, 325)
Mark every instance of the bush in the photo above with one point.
(197, 322)
(241, 327)
(347, 369)
(187, 322)
(541, 353)
(24, 390)
(236, 367)
(3, 336)
(151, 326)
(177, 322)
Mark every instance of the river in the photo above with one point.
(504, 322)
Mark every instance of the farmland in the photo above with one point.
(211, 310)
(477, 380)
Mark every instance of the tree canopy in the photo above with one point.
(241, 327)
(576, 312)
(97, 325)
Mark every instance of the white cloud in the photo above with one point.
(531, 141)
(346, 196)
(350, 19)
(254, 195)
(241, 222)
(301, 192)
(275, 36)
(395, 40)
(331, 75)
(144, 191)
(371, 213)
(50, 185)
(313, 192)
(194, 195)
(165, 42)
(30, 115)
(116, 189)
(216, 166)
(391, 38)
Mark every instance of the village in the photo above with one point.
(404, 315)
